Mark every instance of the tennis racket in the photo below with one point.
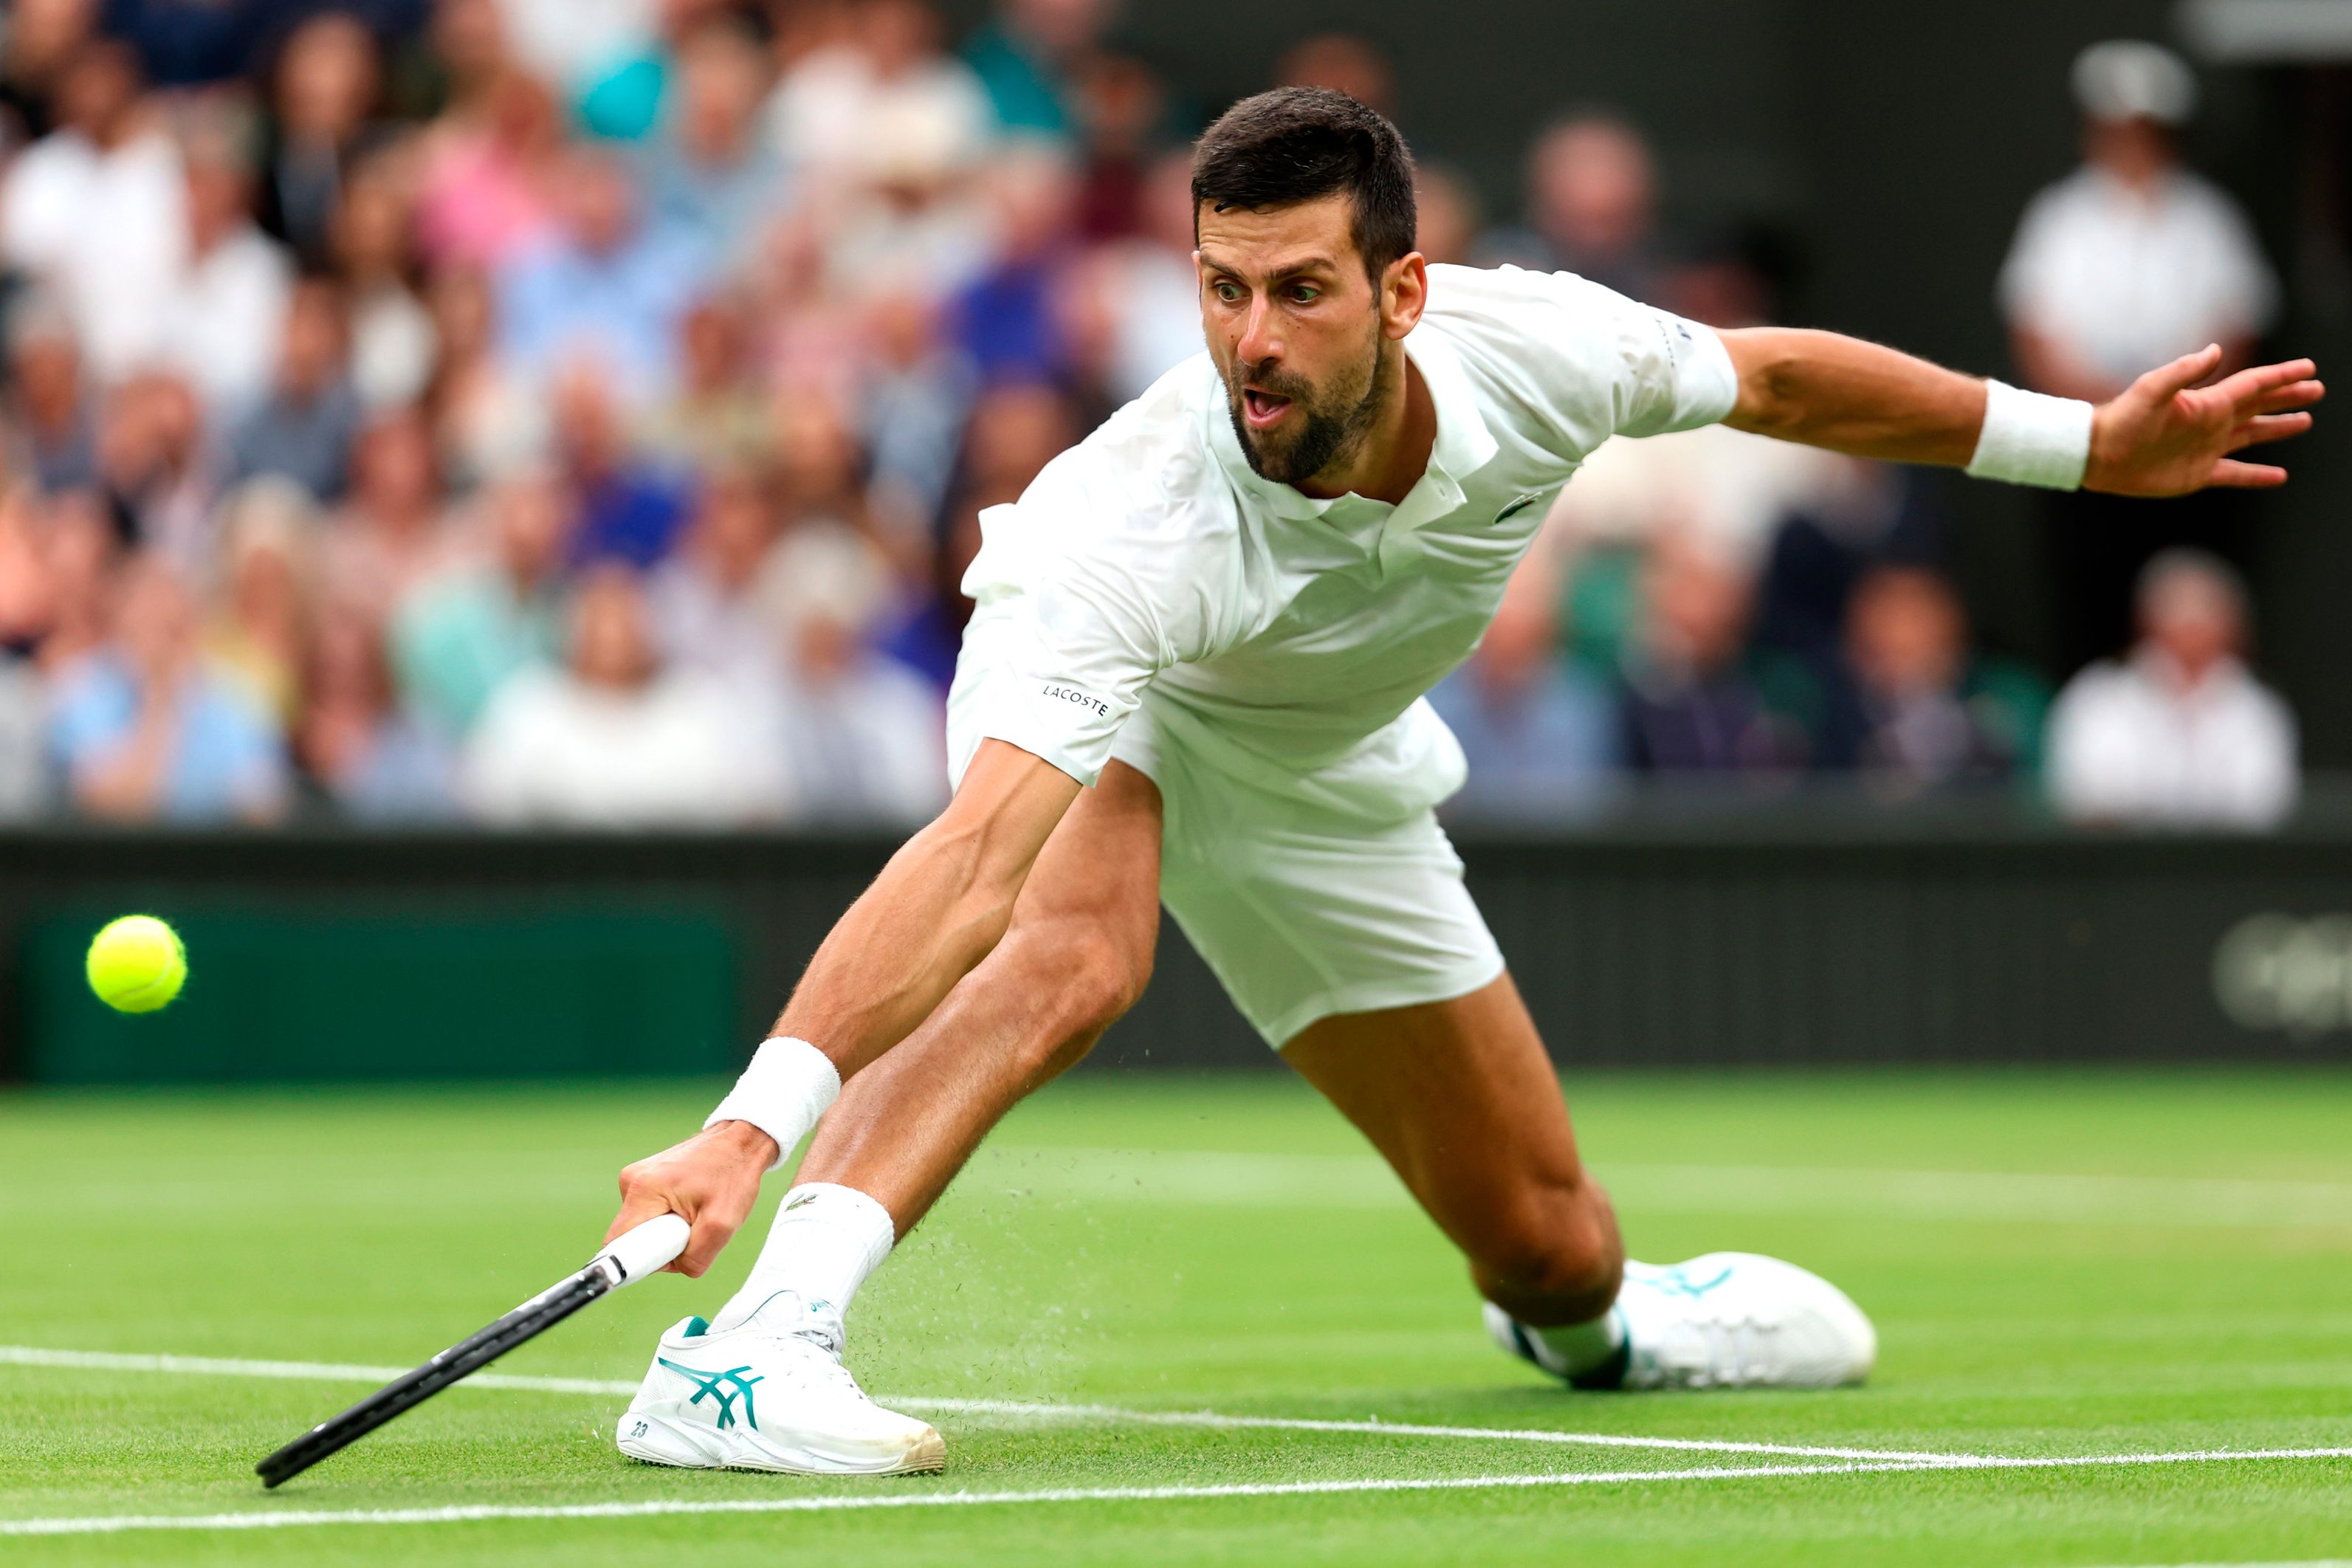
(633, 1253)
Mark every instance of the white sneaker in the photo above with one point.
(1725, 1319)
(758, 1398)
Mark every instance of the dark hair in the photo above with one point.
(1300, 143)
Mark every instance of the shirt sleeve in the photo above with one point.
(1676, 373)
(1069, 657)
(1602, 365)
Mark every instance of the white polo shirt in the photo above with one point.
(1288, 641)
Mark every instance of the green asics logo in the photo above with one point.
(1674, 1282)
(707, 1382)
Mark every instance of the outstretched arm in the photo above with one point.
(936, 911)
(2162, 436)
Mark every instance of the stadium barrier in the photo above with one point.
(1823, 941)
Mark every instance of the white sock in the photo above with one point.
(826, 1239)
(1580, 1347)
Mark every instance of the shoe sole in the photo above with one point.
(694, 1446)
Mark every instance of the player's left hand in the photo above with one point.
(2166, 436)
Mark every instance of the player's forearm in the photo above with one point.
(1860, 398)
(937, 910)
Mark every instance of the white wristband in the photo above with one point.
(788, 1086)
(2030, 439)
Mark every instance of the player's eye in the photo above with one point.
(1228, 292)
(1305, 294)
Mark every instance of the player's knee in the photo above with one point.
(1554, 1254)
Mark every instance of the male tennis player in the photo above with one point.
(1195, 676)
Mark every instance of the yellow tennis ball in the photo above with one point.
(136, 963)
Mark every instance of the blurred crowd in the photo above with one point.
(557, 412)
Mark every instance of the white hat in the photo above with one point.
(2126, 79)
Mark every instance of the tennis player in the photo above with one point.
(1195, 676)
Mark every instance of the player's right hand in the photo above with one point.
(710, 1181)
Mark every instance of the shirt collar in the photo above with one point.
(1464, 444)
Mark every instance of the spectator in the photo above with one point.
(79, 552)
(146, 730)
(1009, 321)
(707, 610)
(1135, 313)
(826, 558)
(1591, 208)
(861, 737)
(879, 100)
(1344, 62)
(716, 417)
(393, 342)
(629, 510)
(223, 322)
(1121, 111)
(918, 393)
(612, 739)
(324, 95)
(488, 171)
(2181, 735)
(24, 785)
(258, 639)
(161, 473)
(460, 635)
(1539, 733)
(49, 411)
(1856, 516)
(1692, 703)
(1027, 56)
(1916, 711)
(305, 427)
(710, 177)
(1449, 213)
(565, 42)
(2130, 261)
(605, 288)
(394, 533)
(486, 420)
(373, 762)
(43, 37)
(96, 212)
(28, 598)
(630, 93)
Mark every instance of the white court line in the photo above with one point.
(106, 1524)
(338, 1371)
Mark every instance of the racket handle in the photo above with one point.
(645, 1248)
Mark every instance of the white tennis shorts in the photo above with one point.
(1301, 908)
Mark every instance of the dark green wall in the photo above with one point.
(1847, 938)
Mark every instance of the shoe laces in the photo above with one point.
(1703, 1343)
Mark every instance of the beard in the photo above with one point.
(1327, 422)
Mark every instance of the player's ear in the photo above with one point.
(1404, 293)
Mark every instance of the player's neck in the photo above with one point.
(1393, 453)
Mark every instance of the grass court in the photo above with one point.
(1172, 1319)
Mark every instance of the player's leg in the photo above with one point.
(1076, 954)
(1462, 1099)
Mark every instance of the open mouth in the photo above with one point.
(1263, 409)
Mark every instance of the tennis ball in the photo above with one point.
(136, 963)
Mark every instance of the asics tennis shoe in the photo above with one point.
(770, 1394)
(1725, 1319)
